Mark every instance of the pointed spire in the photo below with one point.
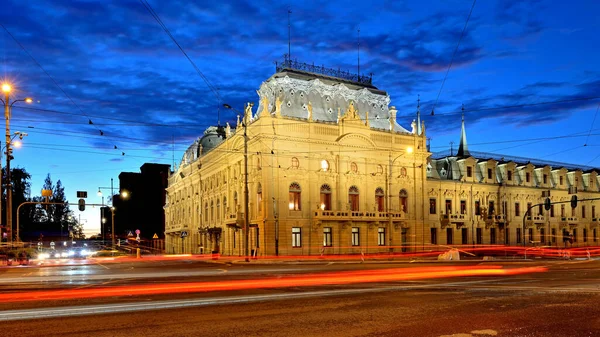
(463, 149)
(419, 130)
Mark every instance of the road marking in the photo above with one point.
(101, 265)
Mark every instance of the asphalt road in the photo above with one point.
(561, 301)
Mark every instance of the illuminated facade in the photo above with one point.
(330, 171)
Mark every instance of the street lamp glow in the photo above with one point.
(17, 144)
(28, 100)
(99, 193)
(409, 149)
(124, 194)
(6, 87)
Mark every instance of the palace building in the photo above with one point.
(330, 171)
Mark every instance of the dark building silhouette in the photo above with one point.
(142, 207)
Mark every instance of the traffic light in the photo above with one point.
(82, 205)
(574, 201)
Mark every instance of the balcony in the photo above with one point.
(539, 218)
(358, 216)
(572, 219)
(500, 218)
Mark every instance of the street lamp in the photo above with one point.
(246, 216)
(389, 183)
(6, 88)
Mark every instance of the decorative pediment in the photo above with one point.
(432, 192)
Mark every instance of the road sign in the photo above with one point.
(81, 194)
(155, 236)
(137, 231)
(130, 233)
(184, 234)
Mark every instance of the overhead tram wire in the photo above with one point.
(592, 126)
(51, 78)
(452, 59)
(164, 27)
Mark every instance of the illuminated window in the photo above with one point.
(324, 165)
(327, 237)
(295, 202)
(325, 197)
(295, 162)
(353, 167)
(296, 237)
(379, 199)
(353, 197)
(403, 201)
(381, 236)
(355, 236)
(463, 207)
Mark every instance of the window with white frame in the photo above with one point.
(296, 237)
(355, 236)
(327, 237)
(381, 236)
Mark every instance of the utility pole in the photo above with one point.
(246, 215)
(8, 178)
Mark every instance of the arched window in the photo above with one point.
(225, 205)
(353, 198)
(259, 198)
(324, 165)
(218, 209)
(212, 211)
(295, 162)
(403, 201)
(325, 204)
(206, 212)
(235, 201)
(379, 199)
(295, 202)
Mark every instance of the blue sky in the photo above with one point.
(122, 72)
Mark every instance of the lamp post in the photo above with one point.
(9, 175)
(389, 183)
(6, 88)
(246, 216)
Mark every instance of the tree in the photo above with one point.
(20, 190)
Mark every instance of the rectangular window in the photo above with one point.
(552, 211)
(527, 176)
(492, 235)
(545, 179)
(463, 207)
(479, 236)
(449, 236)
(593, 211)
(562, 211)
(507, 236)
(477, 207)
(295, 201)
(542, 235)
(489, 173)
(491, 207)
(327, 239)
(296, 237)
(509, 175)
(540, 209)
(355, 236)
(448, 206)
(433, 236)
(381, 236)
(465, 236)
(553, 234)
(518, 235)
(257, 237)
(432, 206)
(469, 171)
(517, 209)
(583, 211)
(574, 234)
(560, 180)
(530, 234)
(529, 209)
(585, 235)
(595, 235)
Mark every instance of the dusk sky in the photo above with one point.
(125, 74)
